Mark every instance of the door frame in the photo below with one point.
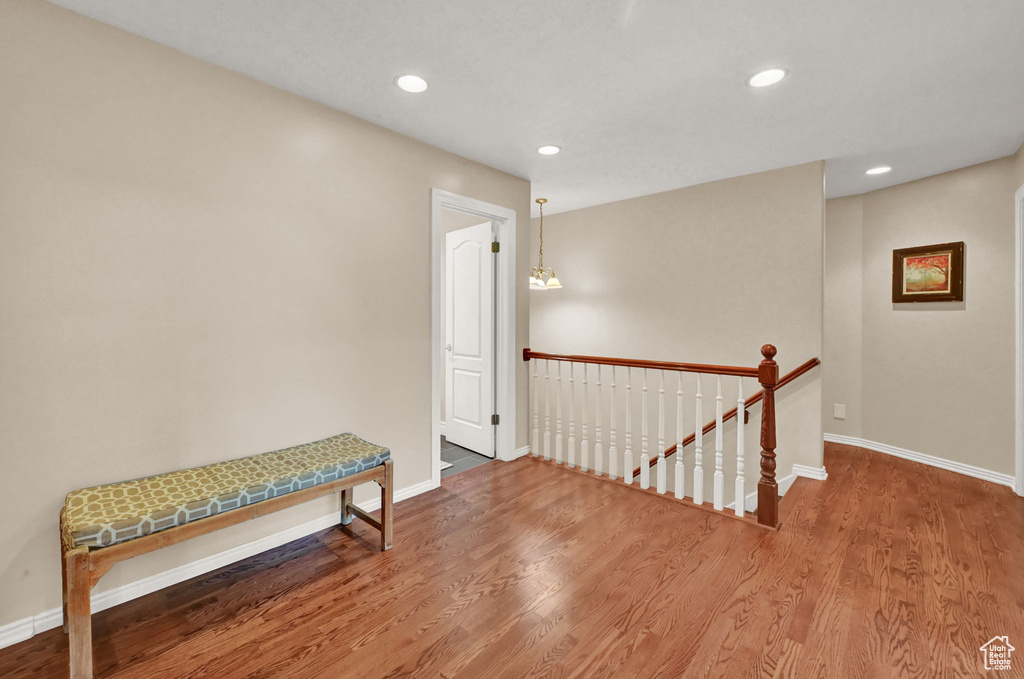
(1018, 485)
(504, 220)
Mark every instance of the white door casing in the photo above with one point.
(1018, 485)
(469, 333)
(507, 359)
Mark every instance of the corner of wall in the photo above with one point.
(842, 349)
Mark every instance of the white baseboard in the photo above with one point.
(930, 460)
(400, 494)
(26, 628)
(18, 631)
(817, 473)
(443, 427)
(750, 501)
(519, 452)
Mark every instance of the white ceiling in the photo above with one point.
(643, 95)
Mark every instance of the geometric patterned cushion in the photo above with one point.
(106, 515)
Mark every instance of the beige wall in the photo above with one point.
(195, 266)
(937, 377)
(702, 274)
(841, 360)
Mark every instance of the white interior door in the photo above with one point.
(469, 338)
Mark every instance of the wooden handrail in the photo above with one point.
(738, 371)
(756, 398)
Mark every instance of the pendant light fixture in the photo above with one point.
(537, 273)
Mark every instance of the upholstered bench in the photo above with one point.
(102, 525)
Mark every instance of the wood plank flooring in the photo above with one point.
(888, 569)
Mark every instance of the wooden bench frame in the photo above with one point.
(82, 567)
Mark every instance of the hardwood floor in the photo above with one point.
(888, 569)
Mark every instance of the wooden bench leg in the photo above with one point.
(387, 509)
(79, 621)
(346, 503)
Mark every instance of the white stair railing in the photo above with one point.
(598, 409)
(558, 415)
(535, 394)
(645, 458)
(585, 443)
(698, 456)
(741, 419)
(680, 478)
(613, 451)
(571, 457)
(627, 463)
(662, 474)
(547, 410)
(591, 455)
(719, 497)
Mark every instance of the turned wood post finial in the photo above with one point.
(768, 370)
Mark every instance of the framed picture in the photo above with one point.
(930, 273)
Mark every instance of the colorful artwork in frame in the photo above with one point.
(930, 273)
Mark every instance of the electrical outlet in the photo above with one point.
(839, 411)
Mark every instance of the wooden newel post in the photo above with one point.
(767, 488)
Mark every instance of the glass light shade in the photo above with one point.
(537, 284)
(553, 282)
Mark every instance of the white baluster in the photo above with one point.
(645, 459)
(698, 449)
(547, 409)
(584, 443)
(719, 477)
(662, 472)
(572, 415)
(535, 443)
(627, 462)
(741, 490)
(680, 467)
(558, 417)
(613, 453)
(598, 448)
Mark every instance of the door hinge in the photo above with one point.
(495, 246)
(494, 419)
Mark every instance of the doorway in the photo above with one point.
(472, 331)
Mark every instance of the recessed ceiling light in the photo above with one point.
(881, 169)
(766, 78)
(549, 150)
(411, 83)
